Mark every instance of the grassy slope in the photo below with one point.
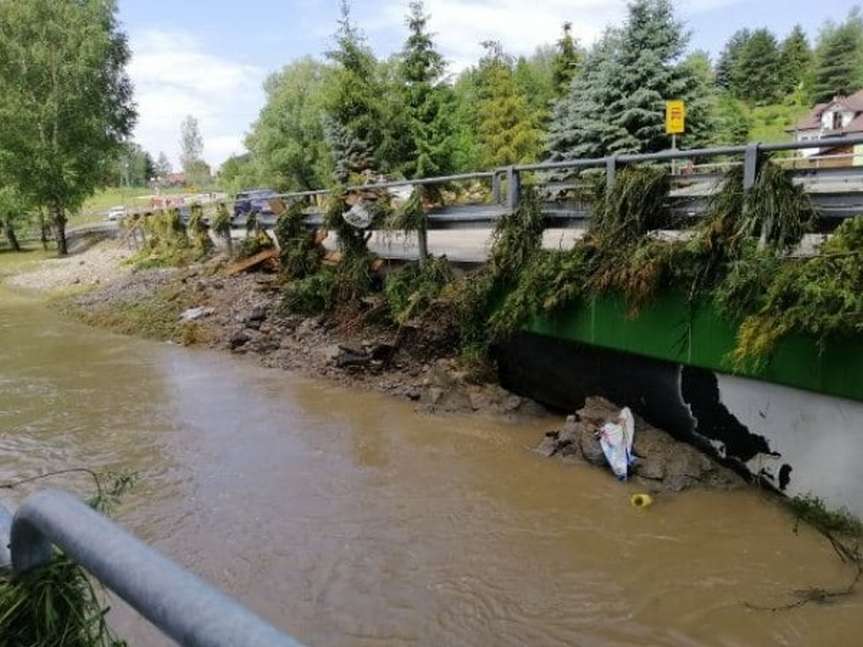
(95, 207)
(769, 122)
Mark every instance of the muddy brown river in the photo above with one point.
(348, 519)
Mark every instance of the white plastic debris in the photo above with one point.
(193, 314)
(616, 441)
(358, 216)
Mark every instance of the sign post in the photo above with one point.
(675, 123)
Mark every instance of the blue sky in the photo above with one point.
(209, 58)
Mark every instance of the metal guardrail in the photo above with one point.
(181, 605)
(843, 198)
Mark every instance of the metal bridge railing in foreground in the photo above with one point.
(181, 605)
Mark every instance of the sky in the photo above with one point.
(209, 58)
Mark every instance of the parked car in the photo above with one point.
(253, 201)
(116, 213)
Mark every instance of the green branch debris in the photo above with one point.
(58, 605)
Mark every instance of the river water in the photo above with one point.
(348, 519)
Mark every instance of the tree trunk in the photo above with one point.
(43, 230)
(9, 230)
(59, 218)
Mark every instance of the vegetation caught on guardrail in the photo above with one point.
(58, 605)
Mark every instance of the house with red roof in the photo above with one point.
(837, 118)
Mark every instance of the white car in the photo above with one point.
(116, 213)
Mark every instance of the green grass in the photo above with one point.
(133, 197)
(769, 122)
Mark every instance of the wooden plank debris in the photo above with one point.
(252, 262)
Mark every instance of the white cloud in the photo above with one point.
(174, 76)
(460, 25)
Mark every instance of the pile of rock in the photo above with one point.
(662, 463)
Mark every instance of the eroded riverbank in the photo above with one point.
(207, 305)
(348, 518)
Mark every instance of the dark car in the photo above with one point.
(255, 201)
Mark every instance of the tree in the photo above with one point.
(65, 99)
(239, 172)
(191, 146)
(353, 125)
(649, 74)
(733, 122)
(13, 211)
(466, 91)
(163, 165)
(287, 141)
(617, 104)
(581, 125)
(757, 76)
(428, 102)
(839, 59)
(133, 167)
(727, 65)
(534, 76)
(795, 60)
(506, 129)
(702, 102)
(567, 61)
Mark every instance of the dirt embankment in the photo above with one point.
(242, 314)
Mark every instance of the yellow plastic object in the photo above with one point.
(641, 500)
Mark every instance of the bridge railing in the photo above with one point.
(181, 605)
(836, 192)
(752, 157)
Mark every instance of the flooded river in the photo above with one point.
(348, 519)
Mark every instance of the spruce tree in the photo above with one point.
(567, 61)
(795, 61)
(617, 104)
(757, 76)
(729, 58)
(839, 62)
(581, 125)
(699, 78)
(505, 126)
(651, 44)
(354, 122)
(428, 102)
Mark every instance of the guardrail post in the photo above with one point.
(610, 172)
(423, 240)
(513, 188)
(751, 161)
(495, 188)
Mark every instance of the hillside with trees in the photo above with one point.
(350, 115)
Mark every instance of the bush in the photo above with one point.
(411, 290)
(312, 295)
(299, 255)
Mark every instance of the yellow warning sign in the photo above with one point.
(675, 117)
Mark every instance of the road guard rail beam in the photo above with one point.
(181, 605)
(836, 193)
